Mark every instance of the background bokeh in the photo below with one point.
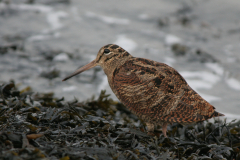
(42, 41)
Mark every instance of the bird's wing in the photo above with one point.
(155, 90)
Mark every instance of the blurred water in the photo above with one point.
(60, 36)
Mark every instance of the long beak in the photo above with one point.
(82, 69)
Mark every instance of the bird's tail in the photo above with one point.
(217, 114)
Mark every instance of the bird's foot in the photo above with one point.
(151, 133)
(164, 130)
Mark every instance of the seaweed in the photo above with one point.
(41, 126)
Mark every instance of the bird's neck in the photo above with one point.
(110, 66)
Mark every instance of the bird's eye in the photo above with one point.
(106, 51)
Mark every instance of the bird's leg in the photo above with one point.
(164, 129)
(150, 128)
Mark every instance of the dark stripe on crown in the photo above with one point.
(120, 55)
(107, 45)
(114, 46)
(121, 50)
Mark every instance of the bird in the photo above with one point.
(153, 91)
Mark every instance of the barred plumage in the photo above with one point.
(154, 91)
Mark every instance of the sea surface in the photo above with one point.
(43, 41)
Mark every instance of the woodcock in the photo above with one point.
(154, 91)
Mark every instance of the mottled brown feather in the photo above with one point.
(154, 91)
(158, 92)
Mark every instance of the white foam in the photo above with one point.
(233, 83)
(202, 80)
(69, 89)
(28, 7)
(126, 43)
(38, 37)
(41, 37)
(199, 84)
(228, 49)
(209, 98)
(53, 19)
(103, 84)
(90, 14)
(75, 14)
(172, 39)
(143, 16)
(62, 57)
(107, 19)
(92, 57)
(203, 75)
(152, 51)
(231, 116)
(215, 67)
(231, 60)
(112, 20)
(169, 61)
(36, 59)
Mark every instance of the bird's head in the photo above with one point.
(108, 57)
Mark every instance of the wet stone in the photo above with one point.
(179, 50)
(192, 55)
(51, 74)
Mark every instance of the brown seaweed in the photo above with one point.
(40, 126)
